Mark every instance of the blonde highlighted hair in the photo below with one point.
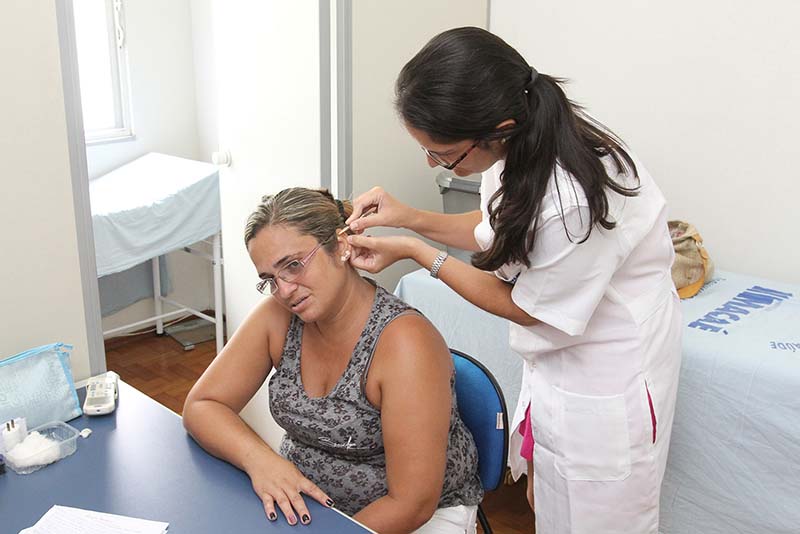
(311, 212)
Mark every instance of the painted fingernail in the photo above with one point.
(273, 516)
(292, 520)
(306, 519)
(329, 502)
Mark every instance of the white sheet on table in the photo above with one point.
(151, 206)
(734, 462)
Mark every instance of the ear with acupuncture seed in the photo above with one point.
(346, 256)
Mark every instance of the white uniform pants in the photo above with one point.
(454, 520)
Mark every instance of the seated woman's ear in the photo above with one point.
(344, 249)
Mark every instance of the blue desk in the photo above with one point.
(140, 462)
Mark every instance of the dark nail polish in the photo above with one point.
(329, 502)
(306, 519)
(273, 516)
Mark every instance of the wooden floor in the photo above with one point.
(160, 368)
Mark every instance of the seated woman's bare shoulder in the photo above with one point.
(410, 349)
(272, 323)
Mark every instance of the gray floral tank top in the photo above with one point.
(336, 440)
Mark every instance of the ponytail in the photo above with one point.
(464, 83)
(556, 132)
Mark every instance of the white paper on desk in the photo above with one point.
(67, 520)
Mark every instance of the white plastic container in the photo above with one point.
(65, 441)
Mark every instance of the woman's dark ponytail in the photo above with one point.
(530, 160)
(463, 84)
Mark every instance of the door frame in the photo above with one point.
(342, 141)
(80, 185)
(337, 177)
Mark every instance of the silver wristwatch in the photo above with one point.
(437, 264)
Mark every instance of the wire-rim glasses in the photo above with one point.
(290, 272)
(442, 163)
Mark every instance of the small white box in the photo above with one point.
(64, 439)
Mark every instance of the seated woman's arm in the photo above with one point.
(410, 381)
(211, 413)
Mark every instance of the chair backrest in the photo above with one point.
(483, 410)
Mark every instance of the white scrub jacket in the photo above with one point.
(601, 368)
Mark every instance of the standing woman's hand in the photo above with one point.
(388, 211)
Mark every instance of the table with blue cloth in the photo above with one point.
(140, 462)
(734, 462)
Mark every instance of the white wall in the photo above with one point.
(40, 281)
(385, 36)
(205, 78)
(268, 82)
(267, 73)
(706, 93)
(166, 118)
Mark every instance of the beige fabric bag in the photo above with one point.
(692, 266)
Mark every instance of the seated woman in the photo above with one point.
(363, 385)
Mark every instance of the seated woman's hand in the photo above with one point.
(279, 482)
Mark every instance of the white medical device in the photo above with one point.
(101, 394)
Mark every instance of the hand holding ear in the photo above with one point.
(388, 211)
(374, 254)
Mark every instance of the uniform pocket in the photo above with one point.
(592, 433)
(653, 421)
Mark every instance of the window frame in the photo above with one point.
(123, 131)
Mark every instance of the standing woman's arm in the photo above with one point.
(454, 230)
(564, 283)
(483, 289)
(451, 230)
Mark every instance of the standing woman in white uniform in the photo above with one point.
(571, 246)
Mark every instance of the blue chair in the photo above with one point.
(483, 410)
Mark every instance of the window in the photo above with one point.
(103, 70)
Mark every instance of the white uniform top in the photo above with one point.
(608, 342)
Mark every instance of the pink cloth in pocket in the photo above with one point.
(525, 430)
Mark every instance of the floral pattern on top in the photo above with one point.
(336, 440)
